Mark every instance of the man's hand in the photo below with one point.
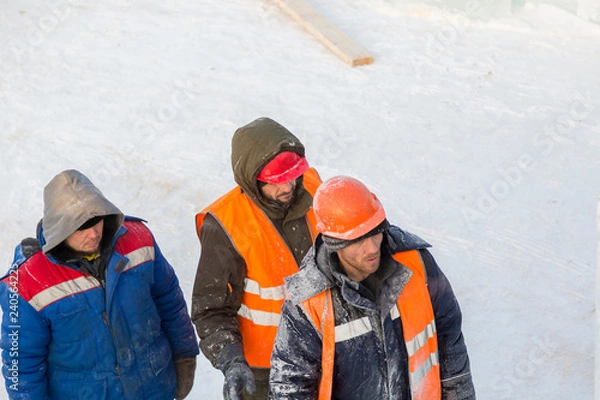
(238, 377)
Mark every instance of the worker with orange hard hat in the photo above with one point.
(370, 315)
(251, 239)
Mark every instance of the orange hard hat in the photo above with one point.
(346, 209)
(284, 167)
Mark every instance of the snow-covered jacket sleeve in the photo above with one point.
(172, 308)
(455, 372)
(217, 293)
(24, 340)
(296, 357)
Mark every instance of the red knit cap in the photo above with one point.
(286, 166)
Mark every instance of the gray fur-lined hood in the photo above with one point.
(71, 199)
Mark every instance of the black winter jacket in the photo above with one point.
(372, 365)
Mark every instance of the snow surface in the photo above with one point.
(480, 135)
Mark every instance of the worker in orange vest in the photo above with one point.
(251, 239)
(369, 315)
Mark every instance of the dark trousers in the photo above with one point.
(261, 380)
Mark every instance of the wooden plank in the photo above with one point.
(326, 32)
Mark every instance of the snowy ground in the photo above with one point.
(479, 134)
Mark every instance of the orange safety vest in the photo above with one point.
(268, 260)
(416, 312)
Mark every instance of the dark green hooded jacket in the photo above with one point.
(219, 283)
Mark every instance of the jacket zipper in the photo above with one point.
(380, 335)
(118, 268)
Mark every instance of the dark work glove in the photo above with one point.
(238, 375)
(185, 369)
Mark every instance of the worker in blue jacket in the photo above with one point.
(91, 308)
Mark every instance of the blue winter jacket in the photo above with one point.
(65, 336)
(372, 362)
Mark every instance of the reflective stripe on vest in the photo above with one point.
(268, 261)
(274, 293)
(413, 307)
